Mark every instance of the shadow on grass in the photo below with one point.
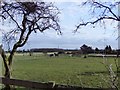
(94, 73)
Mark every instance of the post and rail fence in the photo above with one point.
(44, 86)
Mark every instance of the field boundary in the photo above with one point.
(45, 86)
(102, 55)
(25, 83)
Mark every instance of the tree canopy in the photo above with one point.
(100, 11)
(28, 17)
(25, 18)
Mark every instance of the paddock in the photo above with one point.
(63, 69)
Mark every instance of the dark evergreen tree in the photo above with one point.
(108, 49)
(86, 49)
(96, 50)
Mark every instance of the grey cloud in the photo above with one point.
(69, 43)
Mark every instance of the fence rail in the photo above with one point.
(45, 86)
(25, 83)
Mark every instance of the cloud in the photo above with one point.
(70, 15)
(67, 41)
(0, 37)
(79, 1)
(65, 1)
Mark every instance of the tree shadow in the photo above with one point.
(95, 73)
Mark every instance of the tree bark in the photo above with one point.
(7, 69)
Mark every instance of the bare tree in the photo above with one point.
(26, 18)
(100, 11)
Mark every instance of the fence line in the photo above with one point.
(25, 83)
(45, 86)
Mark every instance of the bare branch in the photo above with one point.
(3, 16)
(26, 38)
(106, 12)
(12, 18)
(108, 9)
(93, 22)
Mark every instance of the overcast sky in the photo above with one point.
(71, 14)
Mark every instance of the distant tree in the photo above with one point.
(86, 49)
(96, 50)
(99, 12)
(25, 18)
(108, 49)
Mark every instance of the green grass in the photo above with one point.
(80, 71)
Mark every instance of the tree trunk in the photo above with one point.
(7, 75)
(7, 68)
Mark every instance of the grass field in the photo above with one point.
(86, 72)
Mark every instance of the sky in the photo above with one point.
(70, 16)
